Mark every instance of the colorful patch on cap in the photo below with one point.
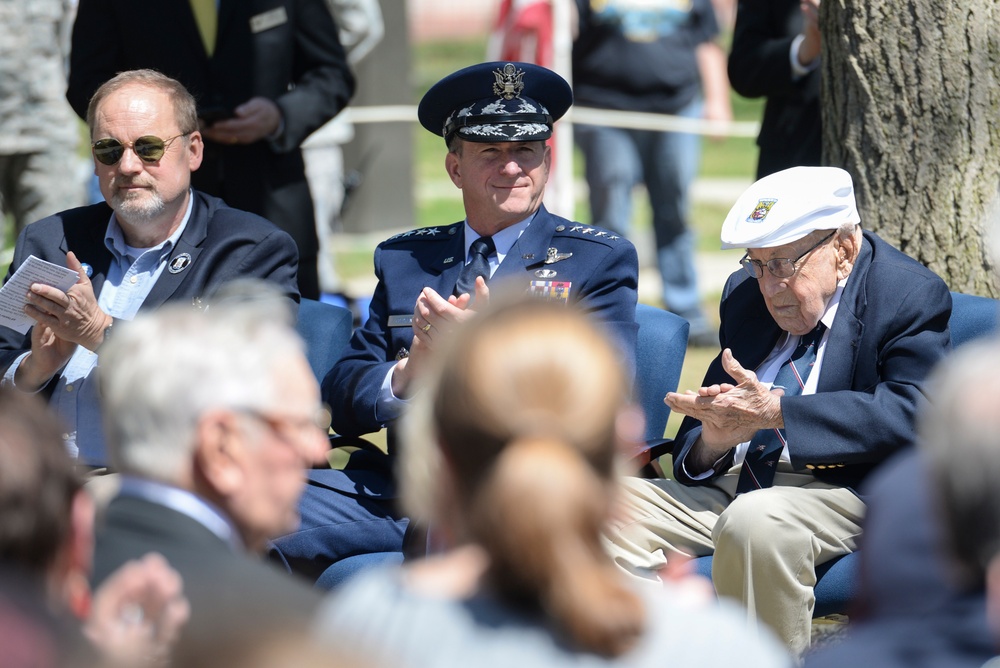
(760, 211)
(509, 82)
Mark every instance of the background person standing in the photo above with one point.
(656, 57)
(39, 170)
(775, 55)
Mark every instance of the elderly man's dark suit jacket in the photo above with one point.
(229, 590)
(284, 50)
(223, 244)
(891, 328)
(759, 66)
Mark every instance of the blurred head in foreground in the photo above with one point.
(513, 446)
(46, 521)
(960, 433)
(221, 403)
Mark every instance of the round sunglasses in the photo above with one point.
(148, 148)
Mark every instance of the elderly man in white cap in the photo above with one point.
(827, 335)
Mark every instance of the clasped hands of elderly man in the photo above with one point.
(434, 316)
(729, 414)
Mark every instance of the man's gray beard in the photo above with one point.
(136, 210)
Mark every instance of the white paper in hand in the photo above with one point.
(13, 295)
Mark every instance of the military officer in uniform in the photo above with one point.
(494, 118)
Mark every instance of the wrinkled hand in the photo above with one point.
(434, 318)
(809, 50)
(74, 315)
(255, 119)
(138, 613)
(731, 414)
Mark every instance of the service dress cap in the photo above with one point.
(785, 206)
(496, 102)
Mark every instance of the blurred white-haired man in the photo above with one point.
(212, 418)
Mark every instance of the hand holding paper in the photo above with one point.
(13, 295)
(72, 314)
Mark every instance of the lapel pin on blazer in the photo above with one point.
(179, 263)
(87, 269)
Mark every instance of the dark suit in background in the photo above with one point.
(286, 51)
(760, 66)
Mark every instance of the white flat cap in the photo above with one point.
(785, 206)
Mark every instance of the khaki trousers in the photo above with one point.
(766, 543)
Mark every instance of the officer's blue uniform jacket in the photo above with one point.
(602, 270)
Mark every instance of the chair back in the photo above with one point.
(971, 317)
(660, 351)
(326, 329)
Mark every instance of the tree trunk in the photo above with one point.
(911, 108)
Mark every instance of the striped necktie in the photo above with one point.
(767, 444)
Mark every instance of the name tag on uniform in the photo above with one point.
(269, 19)
(400, 320)
(554, 291)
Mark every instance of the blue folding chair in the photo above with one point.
(660, 350)
(326, 330)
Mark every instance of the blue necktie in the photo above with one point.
(479, 265)
(767, 444)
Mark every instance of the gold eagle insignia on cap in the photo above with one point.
(509, 82)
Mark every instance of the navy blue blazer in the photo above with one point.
(224, 244)
(603, 270)
(891, 329)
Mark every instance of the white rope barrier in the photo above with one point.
(632, 120)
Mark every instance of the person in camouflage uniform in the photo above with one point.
(40, 170)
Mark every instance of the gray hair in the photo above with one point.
(161, 372)
(960, 434)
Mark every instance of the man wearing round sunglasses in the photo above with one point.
(827, 334)
(154, 240)
(266, 74)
